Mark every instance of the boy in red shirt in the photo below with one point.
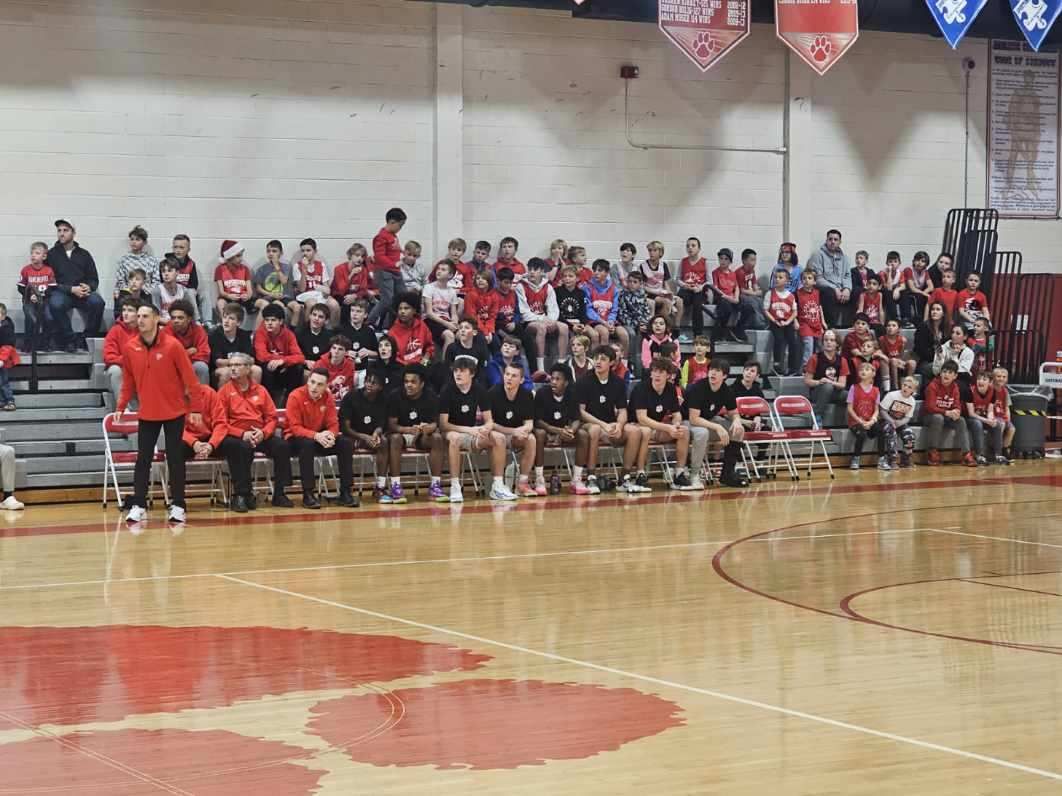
(871, 305)
(313, 430)
(731, 316)
(192, 337)
(893, 286)
(386, 252)
(508, 310)
(895, 348)
(481, 303)
(338, 367)
(811, 324)
(981, 420)
(507, 258)
(693, 276)
(853, 341)
(278, 354)
(972, 303)
(114, 343)
(352, 280)
(946, 294)
(1002, 411)
(411, 334)
(864, 419)
(942, 412)
(781, 307)
(34, 282)
(233, 280)
(313, 285)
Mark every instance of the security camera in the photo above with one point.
(969, 64)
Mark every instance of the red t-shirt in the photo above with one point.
(782, 307)
(747, 279)
(809, 307)
(894, 347)
(517, 267)
(36, 280)
(1001, 399)
(864, 401)
(483, 306)
(695, 274)
(344, 281)
(981, 402)
(872, 307)
(506, 306)
(340, 377)
(974, 303)
(725, 281)
(940, 399)
(313, 274)
(949, 298)
(235, 279)
(386, 252)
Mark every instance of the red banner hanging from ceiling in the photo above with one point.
(705, 30)
(819, 31)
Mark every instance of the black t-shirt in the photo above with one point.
(314, 346)
(739, 390)
(461, 408)
(360, 338)
(408, 412)
(514, 413)
(602, 401)
(710, 402)
(221, 347)
(659, 407)
(553, 411)
(390, 372)
(364, 416)
(478, 351)
(571, 303)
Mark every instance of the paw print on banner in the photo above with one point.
(706, 45)
(820, 48)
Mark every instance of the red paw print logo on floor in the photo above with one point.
(821, 48)
(706, 45)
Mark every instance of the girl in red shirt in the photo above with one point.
(864, 419)
(481, 303)
(783, 319)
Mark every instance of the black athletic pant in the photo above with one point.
(307, 450)
(280, 382)
(147, 435)
(240, 454)
(695, 301)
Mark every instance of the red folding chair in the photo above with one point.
(125, 461)
(751, 406)
(796, 407)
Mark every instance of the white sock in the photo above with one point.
(523, 479)
(381, 481)
(577, 474)
(541, 363)
(396, 481)
(435, 480)
(540, 473)
(498, 483)
(455, 483)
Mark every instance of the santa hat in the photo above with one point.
(230, 249)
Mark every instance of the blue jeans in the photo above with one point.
(91, 309)
(7, 395)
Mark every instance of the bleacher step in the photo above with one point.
(84, 463)
(22, 386)
(25, 415)
(56, 429)
(33, 448)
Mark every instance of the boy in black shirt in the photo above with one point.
(602, 398)
(230, 338)
(315, 339)
(557, 423)
(706, 401)
(461, 406)
(470, 343)
(657, 406)
(363, 418)
(363, 345)
(513, 410)
(413, 422)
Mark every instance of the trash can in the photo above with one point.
(1029, 415)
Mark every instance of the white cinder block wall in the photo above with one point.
(234, 119)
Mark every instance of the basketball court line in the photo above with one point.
(953, 532)
(778, 709)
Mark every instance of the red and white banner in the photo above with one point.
(819, 31)
(705, 30)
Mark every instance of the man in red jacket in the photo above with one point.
(156, 369)
(205, 427)
(942, 412)
(251, 423)
(278, 354)
(192, 337)
(114, 343)
(313, 430)
(386, 252)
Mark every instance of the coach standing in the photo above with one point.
(156, 369)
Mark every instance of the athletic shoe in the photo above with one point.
(999, 460)
(177, 514)
(456, 495)
(579, 489)
(632, 487)
(933, 458)
(854, 464)
(883, 463)
(436, 493)
(968, 459)
(982, 461)
(524, 489)
(642, 480)
(381, 494)
(681, 481)
(238, 504)
(501, 492)
(136, 514)
(10, 503)
(397, 495)
(282, 501)
(739, 335)
(541, 490)
(685, 338)
(697, 484)
(310, 501)
(591, 485)
(734, 480)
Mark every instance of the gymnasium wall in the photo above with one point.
(272, 118)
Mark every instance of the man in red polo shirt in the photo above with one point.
(156, 369)
(313, 430)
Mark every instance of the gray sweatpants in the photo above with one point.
(937, 428)
(7, 468)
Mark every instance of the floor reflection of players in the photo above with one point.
(1023, 124)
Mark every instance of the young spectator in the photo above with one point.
(894, 347)
(414, 275)
(929, 338)
(983, 346)
(315, 338)
(463, 272)
(338, 367)
(826, 375)
(657, 406)
(411, 335)
(919, 286)
(481, 304)
(713, 416)
(169, 291)
(251, 421)
(659, 335)
(77, 283)
(540, 314)
(480, 253)
(274, 283)
(635, 312)
(8, 359)
(156, 359)
(619, 365)
(752, 295)
(277, 352)
(577, 258)
(627, 252)
(363, 417)
(312, 282)
(413, 422)
(602, 307)
(981, 420)
(782, 316)
(602, 399)
(509, 352)
(470, 343)
(789, 262)
(233, 280)
(860, 275)
(312, 430)
(352, 280)
(462, 405)
(119, 335)
(945, 262)
(572, 305)
(864, 420)
(869, 354)
(227, 339)
(833, 277)
(693, 276)
(439, 306)
(749, 386)
(187, 273)
(192, 337)
(36, 280)
(387, 364)
(512, 407)
(558, 258)
(658, 283)
(507, 248)
(363, 345)
(946, 294)
(696, 367)
(942, 412)
(134, 288)
(508, 319)
(972, 303)
(956, 350)
(872, 305)
(810, 321)
(853, 341)
(386, 271)
(579, 363)
(897, 409)
(731, 316)
(8, 471)
(893, 286)
(138, 257)
(1002, 411)
(557, 424)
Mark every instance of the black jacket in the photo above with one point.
(73, 270)
(925, 345)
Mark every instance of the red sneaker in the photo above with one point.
(933, 458)
(968, 459)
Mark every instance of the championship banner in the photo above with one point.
(819, 31)
(1035, 18)
(954, 17)
(705, 30)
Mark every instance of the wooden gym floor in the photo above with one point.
(895, 633)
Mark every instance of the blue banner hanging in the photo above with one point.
(954, 17)
(1035, 18)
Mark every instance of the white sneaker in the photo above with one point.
(697, 484)
(177, 514)
(136, 514)
(501, 493)
(456, 495)
(10, 504)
